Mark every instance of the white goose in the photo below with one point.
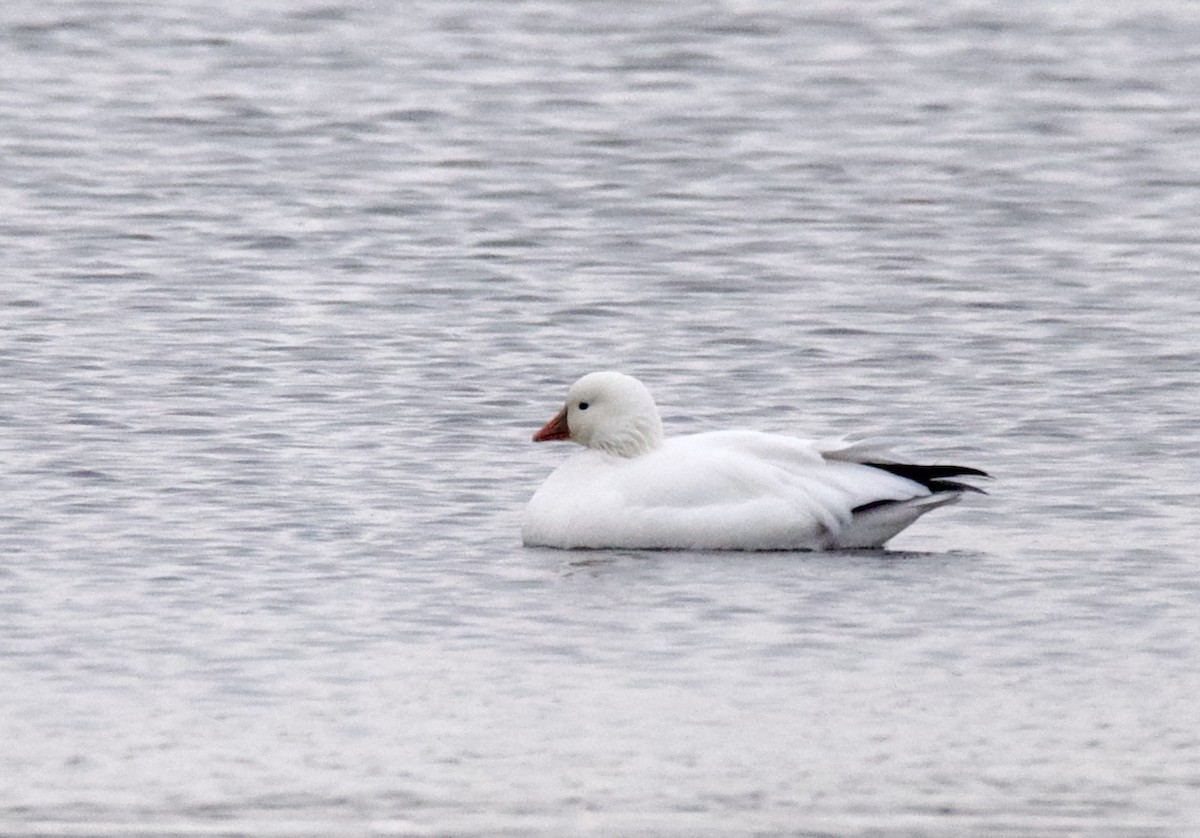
(721, 490)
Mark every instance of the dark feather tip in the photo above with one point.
(933, 477)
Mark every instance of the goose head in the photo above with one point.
(610, 412)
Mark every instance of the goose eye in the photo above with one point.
(583, 405)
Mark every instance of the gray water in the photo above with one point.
(286, 288)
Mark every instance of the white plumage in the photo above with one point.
(722, 490)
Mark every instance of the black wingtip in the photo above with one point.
(933, 477)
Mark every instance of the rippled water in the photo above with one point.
(286, 290)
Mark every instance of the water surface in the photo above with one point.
(285, 291)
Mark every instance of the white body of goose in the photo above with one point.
(721, 490)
